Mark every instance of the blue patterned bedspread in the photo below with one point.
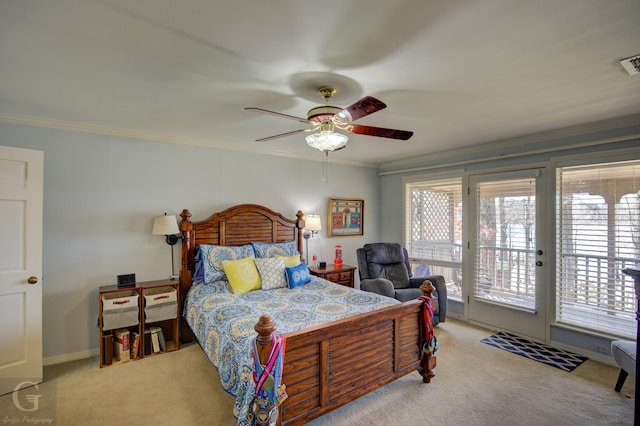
(223, 323)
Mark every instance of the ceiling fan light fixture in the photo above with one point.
(343, 117)
(325, 119)
(327, 141)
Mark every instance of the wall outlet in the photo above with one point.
(601, 349)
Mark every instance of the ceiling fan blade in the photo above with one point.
(379, 131)
(278, 114)
(365, 106)
(282, 135)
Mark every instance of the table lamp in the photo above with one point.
(167, 226)
(312, 226)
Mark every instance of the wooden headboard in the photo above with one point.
(235, 226)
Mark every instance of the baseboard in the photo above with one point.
(604, 359)
(59, 359)
(455, 316)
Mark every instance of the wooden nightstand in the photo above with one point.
(343, 275)
(145, 309)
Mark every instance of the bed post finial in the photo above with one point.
(265, 327)
(427, 288)
(186, 215)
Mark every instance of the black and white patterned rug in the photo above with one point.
(558, 358)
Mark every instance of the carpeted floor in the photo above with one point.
(476, 384)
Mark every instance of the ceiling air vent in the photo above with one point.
(632, 64)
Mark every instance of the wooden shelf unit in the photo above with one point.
(169, 327)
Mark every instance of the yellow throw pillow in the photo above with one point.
(290, 260)
(242, 275)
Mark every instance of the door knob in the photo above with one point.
(539, 263)
(32, 280)
(539, 252)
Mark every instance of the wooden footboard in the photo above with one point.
(330, 365)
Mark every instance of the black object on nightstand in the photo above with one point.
(126, 280)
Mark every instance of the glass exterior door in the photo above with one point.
(507, 256)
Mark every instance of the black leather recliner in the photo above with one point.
(385, 268)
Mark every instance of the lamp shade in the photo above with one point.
(165, 225)
(312, 223)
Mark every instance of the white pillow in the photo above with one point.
(271, 271)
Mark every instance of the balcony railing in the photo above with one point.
(509, 270)
(598, 281)
(508, 275)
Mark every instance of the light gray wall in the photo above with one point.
(392, 209)
(101, 194)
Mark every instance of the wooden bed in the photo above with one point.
(325, 366)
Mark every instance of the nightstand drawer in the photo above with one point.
(332, 277)
(346, 276)
(343, 275)
(343, 278)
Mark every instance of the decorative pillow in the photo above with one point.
(288, 248)
(297, 275)
(212, 256)
(198, 274)
(290, 260)
(242, 275)
(271, 271)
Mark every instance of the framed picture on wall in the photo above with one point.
(346, 217)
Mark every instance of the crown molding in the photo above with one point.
(27, 120)
(519, 142)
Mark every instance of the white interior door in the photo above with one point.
(506, 252)
(20, 268)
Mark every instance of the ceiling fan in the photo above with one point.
(325, 120)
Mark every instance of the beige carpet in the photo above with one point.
(476, 384)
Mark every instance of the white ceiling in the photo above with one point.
(457, 73)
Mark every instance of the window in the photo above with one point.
(505, 219)
(598, 235)
(434, 230)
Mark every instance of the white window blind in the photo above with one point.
(598, 235)
(433, 220)
(506, 241)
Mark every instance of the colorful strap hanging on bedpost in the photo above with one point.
(268, 358)
(430, 345)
